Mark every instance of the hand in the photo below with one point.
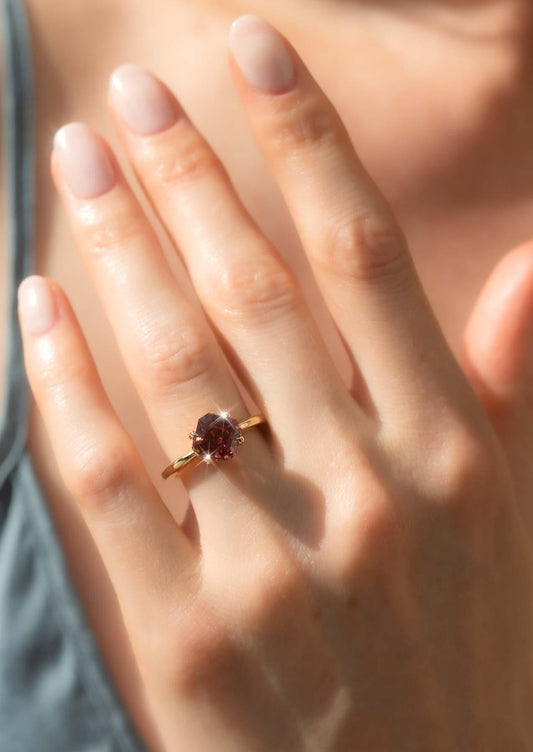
(359, 576)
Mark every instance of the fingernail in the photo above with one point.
(142, 100)
(37, 306)
(83, 161)
(261, 54)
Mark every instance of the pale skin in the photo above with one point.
(404, 638)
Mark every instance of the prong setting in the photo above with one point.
(216, 438)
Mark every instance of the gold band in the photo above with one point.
(181, 462)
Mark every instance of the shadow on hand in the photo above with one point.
(298, 506)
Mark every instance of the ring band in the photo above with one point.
(215, 439)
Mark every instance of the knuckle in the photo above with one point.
(262, 290)
(463, 477)
(191, 652)
(372, 540)
(378, 524)
(273, 588)
(98, 472)
(303, 124)
(369, 527)
(105, 233)
(176, 360)
(365, 248)
(58, 376)
(192, 162)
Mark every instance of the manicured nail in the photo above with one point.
(37, 306)
(83, 160)
(142, 100)
(261, 54)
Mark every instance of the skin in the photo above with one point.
(458, 185)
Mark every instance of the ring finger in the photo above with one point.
(168, 348)
(252, 298)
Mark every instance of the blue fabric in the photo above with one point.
(55, 693)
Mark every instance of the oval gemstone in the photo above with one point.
(217, 437)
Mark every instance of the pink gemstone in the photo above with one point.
(216, 437)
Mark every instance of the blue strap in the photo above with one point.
(19, 180)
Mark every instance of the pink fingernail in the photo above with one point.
(261, 54)
(37, 306)
(142, 100)
(83, 160)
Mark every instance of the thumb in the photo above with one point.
(497, 358)
(497, 349)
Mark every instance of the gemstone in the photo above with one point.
(216, 437)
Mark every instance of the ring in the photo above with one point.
(215, 439)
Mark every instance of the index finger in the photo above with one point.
(356, 249)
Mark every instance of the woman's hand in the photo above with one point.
(359, 577)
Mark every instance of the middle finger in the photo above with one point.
(247, 289)
(358, 252)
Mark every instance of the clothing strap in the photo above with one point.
(19, 180)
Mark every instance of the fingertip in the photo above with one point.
(37, 305)
(261, 54)
(145, 104)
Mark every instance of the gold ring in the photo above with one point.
(215, 439)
